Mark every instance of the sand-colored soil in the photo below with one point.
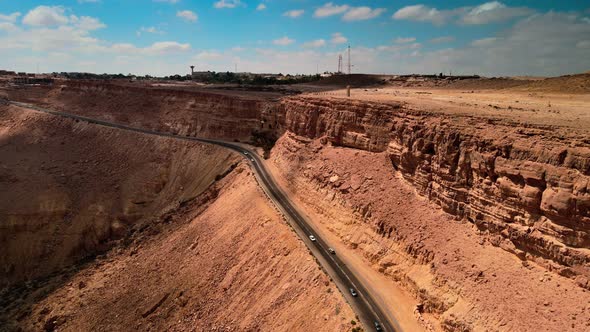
(450, 267)
(544, 109)
(214, 256)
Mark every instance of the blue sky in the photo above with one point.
(161, 37)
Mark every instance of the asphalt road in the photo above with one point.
(363, 304)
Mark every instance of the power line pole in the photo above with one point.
(339, 63)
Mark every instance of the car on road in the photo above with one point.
(353, 292)
(377, 326)
(245, 152)
(312, 238)
(332, 251)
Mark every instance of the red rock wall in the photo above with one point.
(213, 114)
(529, 186)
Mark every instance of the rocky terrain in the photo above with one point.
(463, 277)
(477, 208)
(70, 188)
(109, 230)
(208, 113)
(530, 186)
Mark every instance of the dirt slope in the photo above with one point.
(465, 278)
(69, 189)
(193, 248)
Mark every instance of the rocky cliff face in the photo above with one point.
(527, 186)
(197, 112)
(70, 190)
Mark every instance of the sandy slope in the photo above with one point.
(452, 269)
(224, 260)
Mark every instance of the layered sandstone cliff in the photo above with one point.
(528, 186)
(193, 112)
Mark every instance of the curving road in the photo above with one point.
(363, 304)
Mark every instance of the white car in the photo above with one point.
(246, 153)
(312, 238)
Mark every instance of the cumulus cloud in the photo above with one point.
(338, 38)
(315, 43)
(494, 11)
(294, 13)
(422, 13)
(330, 9)
(261, 7)
(86, 23)
(10, 18)
(544, 44)
(401, 40)
(7, 26)
(362, 13)
(284, 41)
(187, 15)
(227, 4)
(485, 13)
(46, 16)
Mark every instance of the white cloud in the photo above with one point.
(315, 43)
(485, 13)
(443, 39)
(238, 49)
(338, 38)
(294, 13)
(284, 41)
(401, 40)
(227, 3)
(330, 9)
(362, 13)
(261, 7)
(86, 23)
(7, 26)
(152, 30)
(89, 1)
(187, 15)
(544, 44)
(46, 16)
(494, 11)
(157, 48)
(10, 18)
(167, 47)
(208, 55)
(422, 13)
(168, 1)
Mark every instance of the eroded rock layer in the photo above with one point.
(530, 186)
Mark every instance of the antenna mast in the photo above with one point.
(339, 63)
(349, 65)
